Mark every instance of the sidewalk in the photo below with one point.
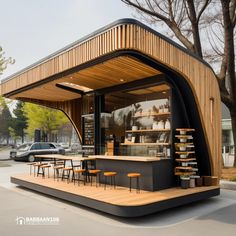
(224, 184)
(5, 153)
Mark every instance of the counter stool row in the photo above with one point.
(77, 174)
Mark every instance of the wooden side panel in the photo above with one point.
(200, 77)
(72, 109)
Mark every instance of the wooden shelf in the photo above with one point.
(183, 168)
(184, 136)
(147, 130)
(185, 159)
(184, 144)
(184, 173)
(145, 144)
(185, 129)
(152, 114)
(185, 152)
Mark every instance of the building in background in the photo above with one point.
(227, 138)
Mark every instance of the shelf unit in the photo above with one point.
(88, 134)
(187, 166)
(146, 144)
(152, 114)
(147, 130)
(148, 137)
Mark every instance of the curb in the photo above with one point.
(228, 185)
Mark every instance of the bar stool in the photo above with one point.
(43, 170)
(79, 173)
(112, 176)
(30, 165)
(57, 168)
(37, 165)
(66, 173)
(131, 176)
(96, 174)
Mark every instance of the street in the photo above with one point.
(215, 216)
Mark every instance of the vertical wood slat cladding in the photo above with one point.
(130, 36)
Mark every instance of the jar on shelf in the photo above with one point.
(167, 124)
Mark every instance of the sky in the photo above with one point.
(33, 29)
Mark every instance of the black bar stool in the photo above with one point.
(96, 174)
(43, 167)
(66, 173)
(37, 165)
(112, 176)
(131, 176)
(79, 172)
(57, 169)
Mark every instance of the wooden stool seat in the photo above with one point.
(79, 170)
(58, 167)
(57, 162)
(133, 175)
(45, 166)
(110, 173)
(67, 168)
(38, 164)
(94, 171)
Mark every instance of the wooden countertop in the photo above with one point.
(128, 158)
(64, 157)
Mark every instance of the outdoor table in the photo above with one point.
(65, 158)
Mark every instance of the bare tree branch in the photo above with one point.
(161, 17)
(203, 9)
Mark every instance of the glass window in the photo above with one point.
(35, 146)
(45, 146)
(139, 122)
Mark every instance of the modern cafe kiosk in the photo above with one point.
(140, 103)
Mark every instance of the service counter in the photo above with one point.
(156, 173)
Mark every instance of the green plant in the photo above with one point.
(185, 176)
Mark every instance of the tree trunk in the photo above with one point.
(22, 136)
(233, 120)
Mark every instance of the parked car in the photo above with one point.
(27, 152)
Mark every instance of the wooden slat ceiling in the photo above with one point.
(150, 90)
(112, 72)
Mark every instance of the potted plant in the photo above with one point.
(184, 181)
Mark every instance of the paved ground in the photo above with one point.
(215, 216)
(5, 153)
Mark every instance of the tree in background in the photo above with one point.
(48, 120)
(19, 122)
(4, 61)
(5, 121)
(193, 23)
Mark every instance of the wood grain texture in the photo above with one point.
(200, 77)
(119, 196)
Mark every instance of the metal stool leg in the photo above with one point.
(105, 183)
(130, 184)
